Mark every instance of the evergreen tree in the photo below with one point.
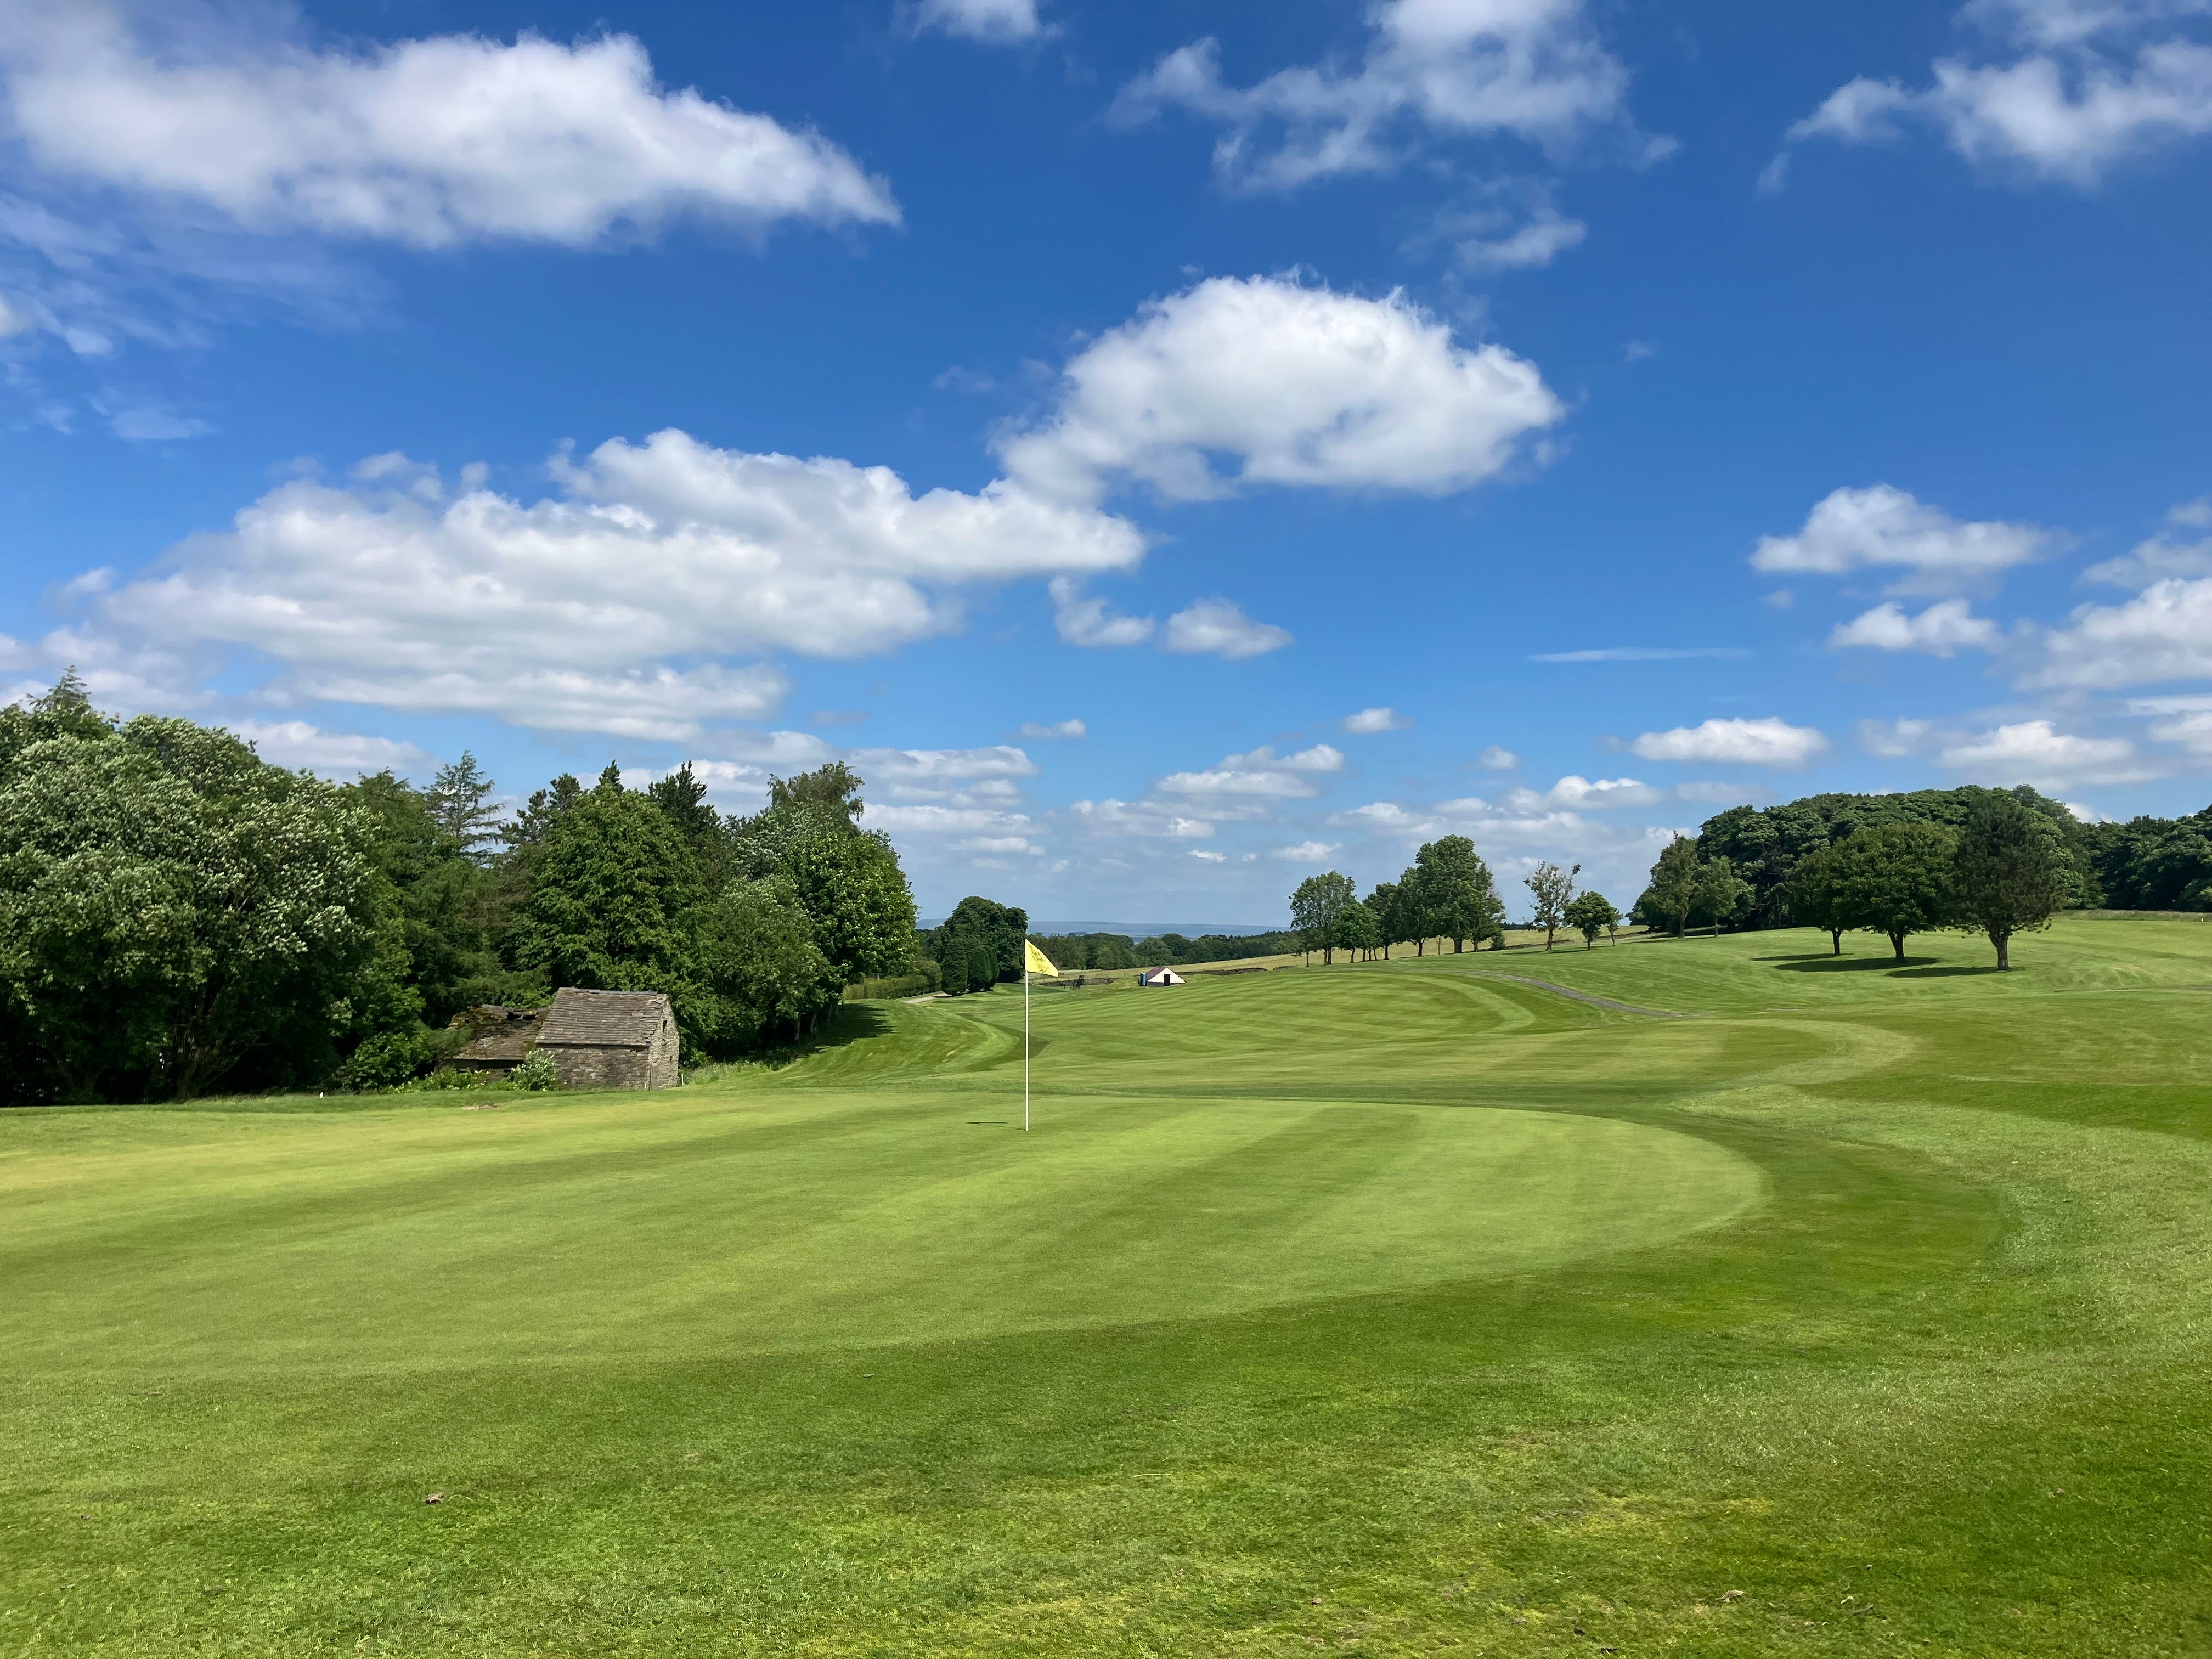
(459, 801)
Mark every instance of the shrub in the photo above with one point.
(535, 1073)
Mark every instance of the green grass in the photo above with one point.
(1388, 1308)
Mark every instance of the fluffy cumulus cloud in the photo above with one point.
(1307, 852)
(1149, 820)
(980, 20)
(1580, 793)
(1368, 722)
(2153, 560)
(1215, 628)
(604, 608)
(1261, 380)
(1258, 777)
(430, 143)
(339, 754)
(1941, 630)
(2184, 721)
(1087, 621)
(2071, 89)
(2164, 633)
(1497, 758)
(1881, 527)
(1769, 742)
(1533, 70)
(2036, 752)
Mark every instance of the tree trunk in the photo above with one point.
(1328, 956)
(1835, 936)
(2004, 942)
(1897, 944)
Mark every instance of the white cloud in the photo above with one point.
(1497, 759)
(1287, 384)
(1530, 69)
(1215, 628)
(1058, 731)
(1261, 775)
(980, 20)
(1576, 794)
(1369, 721)
(1853, 529)
(2153, 560)
(1943, 629)
(2192, 731)
(1118, 817)
(1211, 857)
(1509, 225)
(1088, 621)
(14, 319)
(2164, 633)
(1895, 739)
(157, 424)
(944, 820)
(1767, 742)
(297, 744)
(388, 591)
(1307, 852)
(909, 766)
(2036, 752)
(2084, 88)
(430, 143)
(998, 844)
(2197, 513)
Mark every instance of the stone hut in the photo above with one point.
(610, 1039)
(499, 1038)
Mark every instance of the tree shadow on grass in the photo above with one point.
(1855, 964)
(1951, 972)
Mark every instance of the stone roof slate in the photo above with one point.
(604, 1019)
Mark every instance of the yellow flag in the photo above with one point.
(1036, 962)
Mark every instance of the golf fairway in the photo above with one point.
(1391, 1308)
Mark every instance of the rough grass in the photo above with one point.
(1381, 1309)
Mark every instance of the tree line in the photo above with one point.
(177, 914)
(1990, 861)
(1447, 892)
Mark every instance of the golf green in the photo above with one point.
(570, 1228)
(1830, 1306)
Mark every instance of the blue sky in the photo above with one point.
(1169, 450)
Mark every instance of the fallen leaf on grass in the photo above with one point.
(1732, 1595)
(435, 1497)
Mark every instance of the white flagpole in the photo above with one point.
(1025, 1048)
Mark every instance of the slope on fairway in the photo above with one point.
(1937, 1390)
(667, 1225)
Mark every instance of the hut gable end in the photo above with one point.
(611, 1039)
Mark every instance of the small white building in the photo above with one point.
(1159, 976)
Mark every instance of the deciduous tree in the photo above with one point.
(1590, 914)
(2010, 875)
(1894, 879)
(1317, 908)
(1554, 890)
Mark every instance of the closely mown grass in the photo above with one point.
(1388, 1308)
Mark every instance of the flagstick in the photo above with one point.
(1025, 1049)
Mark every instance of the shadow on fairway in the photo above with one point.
(1859, 965)
(1950, 973)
